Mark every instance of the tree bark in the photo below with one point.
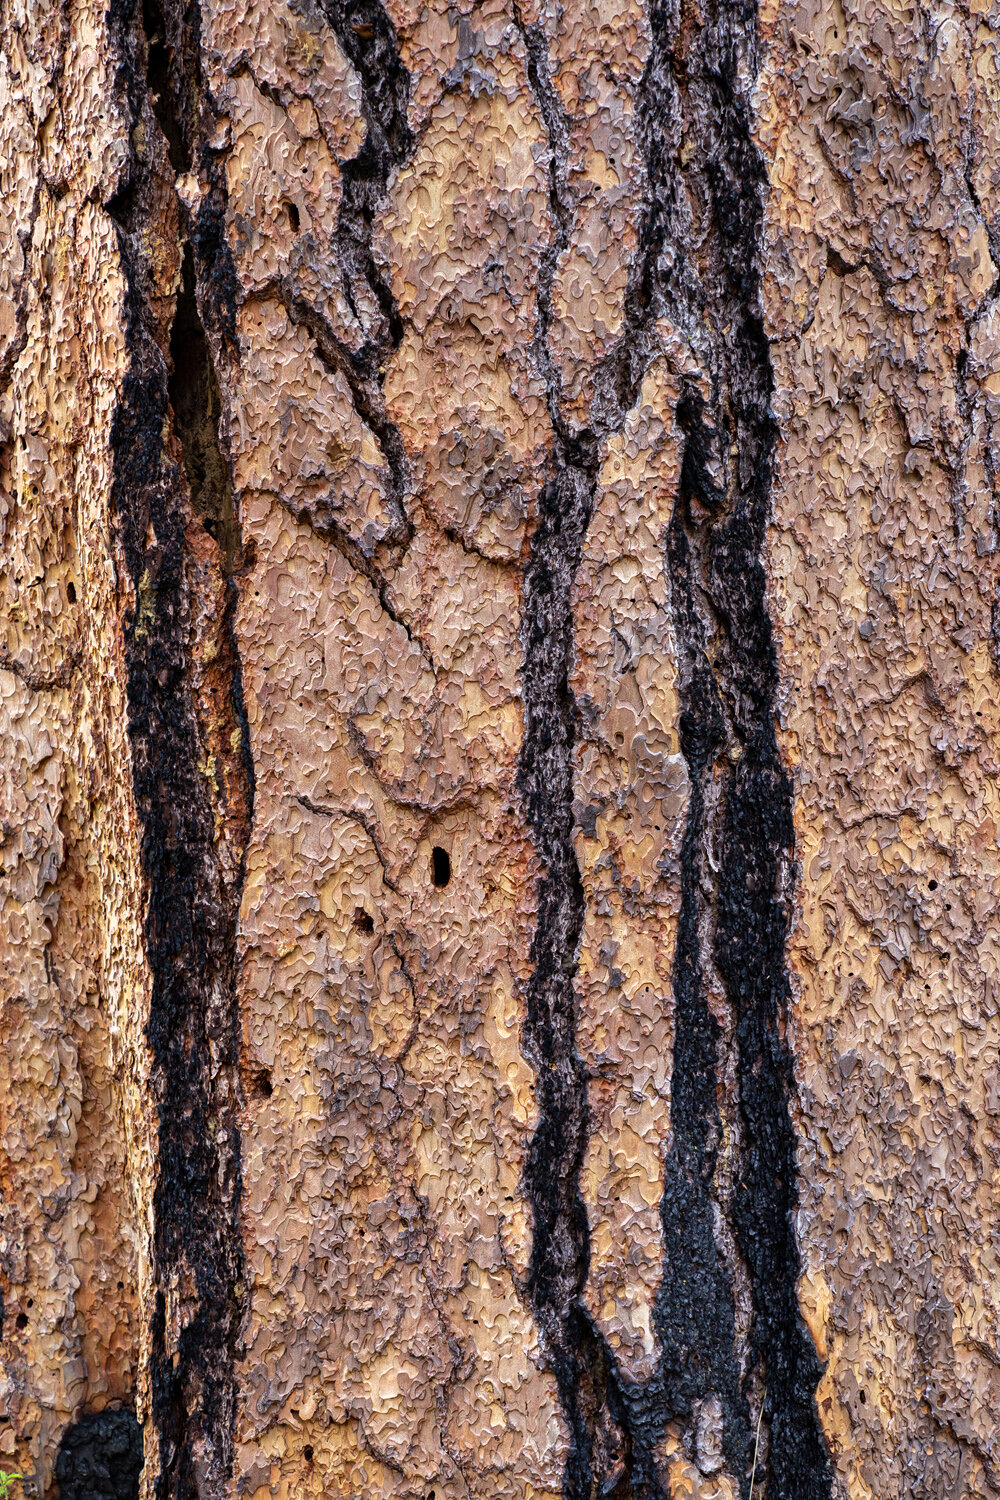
(498, 683)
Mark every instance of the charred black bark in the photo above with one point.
(698, 266)
(729, 738)
(100, 1457)
(600, 1459)
(606, 1451)
(696, 1309)
(368, 38)
(169, 496)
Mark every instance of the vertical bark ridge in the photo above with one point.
(178, 535)
(612, 1428)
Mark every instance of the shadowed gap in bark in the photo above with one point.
(159, 493)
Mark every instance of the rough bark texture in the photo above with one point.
(499, 643)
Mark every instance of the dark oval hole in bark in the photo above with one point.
(307, 1453)
(293, 217)
(440, 865)
(363, 920)
(71, 592)
(100, 1457)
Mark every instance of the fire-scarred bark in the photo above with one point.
(497, 548)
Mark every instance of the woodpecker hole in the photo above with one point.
(440, 865)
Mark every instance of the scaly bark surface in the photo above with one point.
(499, 982)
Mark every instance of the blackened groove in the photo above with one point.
(606, 1452)
(367, 37)
(599, 1454)
(697, 266)
(100, 1457)
(561, 205)
(717, 538)
(163, 492)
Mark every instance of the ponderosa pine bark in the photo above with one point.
(499, 658)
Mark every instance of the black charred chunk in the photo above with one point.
(100, 1457)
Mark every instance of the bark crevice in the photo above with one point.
(367, 37)
(738, 850)
(180, 548)
(727, 1314)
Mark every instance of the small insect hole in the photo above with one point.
(363, 921)
(440, 865)
(293, 217)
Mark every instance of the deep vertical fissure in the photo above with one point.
(367, 37)
(739, 843)
(600, 1460)
(180, 551)
(698, 266)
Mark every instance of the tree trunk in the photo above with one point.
(499, 695)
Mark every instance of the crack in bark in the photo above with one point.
(736, 922)
(367, 37)
(367, 396)
(338, 360)
(561, 206)
(324, 810)
(602, 1458)
(186, 714)
(698, 265)
(19, 298)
